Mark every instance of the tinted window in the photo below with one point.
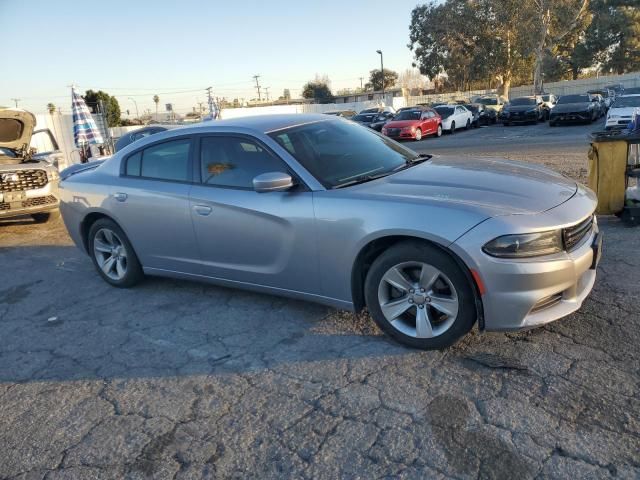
(430, 114)
(166, 161)
(235, 161)
(523, 101)
(339, 152)
(488, 101)
(574, 99)
(444, 111)
(133, 164)
(364, 118)
(408, 115)
(633, 101)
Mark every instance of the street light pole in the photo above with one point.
(136, 104)
(381, 71)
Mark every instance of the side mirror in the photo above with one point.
(272, 182)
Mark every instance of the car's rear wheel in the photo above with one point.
(418, 135)
(44, 217)
(420, 296)
(113, 254)
(439, 131)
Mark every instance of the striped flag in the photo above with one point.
(85, 131)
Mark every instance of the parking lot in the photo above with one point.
(182, 380)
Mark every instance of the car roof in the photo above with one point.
(265, 123)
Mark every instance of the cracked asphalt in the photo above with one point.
(183, 380)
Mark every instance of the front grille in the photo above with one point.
(572, 236)
(547, 302)
(31, 202)
(21, 180)
(393, 132)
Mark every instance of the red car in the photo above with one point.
(414, 124)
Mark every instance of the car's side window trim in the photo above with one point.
(190, 161)
(197, 168)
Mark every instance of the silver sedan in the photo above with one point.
(319, 208)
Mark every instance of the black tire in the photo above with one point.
(134, 273)
(439, 131)
(452, 130)
(552, 124)
(506, 124)
(418, 135)
(468, 125)
(413, 251)
(44, 217)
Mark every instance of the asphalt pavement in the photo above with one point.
(183, 380)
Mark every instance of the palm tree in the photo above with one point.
(156, 100)
(52, 108)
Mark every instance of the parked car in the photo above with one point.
(622, 111)
(616, 88)
(601, 106)
(381, 120)
(143, 132)
(632, 91)
(607, 96)
(414, 124)
(365, 119)
(317, 208)
(348, 114)
(28, 179)
(378, 110)
(575, 108)
(481, 114)
(494, 102)
(549, 100)
(524, 110)
(454, 117)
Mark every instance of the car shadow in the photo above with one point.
(60, 321)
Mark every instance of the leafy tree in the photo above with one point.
(52, 108)
(156, 100)
(375, 80)
(286, 95)
(318, 89)
(111, 105)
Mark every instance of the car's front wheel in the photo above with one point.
(452, 130)
(420, 296)
(439, 131)
(113, 254)
(418, 135)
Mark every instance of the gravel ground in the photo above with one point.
(182, 380)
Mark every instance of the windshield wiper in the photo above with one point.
(361, 179)
(422, 157)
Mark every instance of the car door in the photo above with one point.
(245, 236)
(151, 204)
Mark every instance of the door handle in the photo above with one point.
(203, 210)
(120, 196)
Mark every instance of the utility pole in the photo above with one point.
(16, 100)
(212, 109)
(266, 89)
(381, 71)
(361, 79)
(258, 86)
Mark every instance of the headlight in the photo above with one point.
(614, 116)
(53, 175)
(525, 245)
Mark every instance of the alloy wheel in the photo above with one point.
(110, 254)
(418, 299)
(418, 135)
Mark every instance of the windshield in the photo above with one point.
(364, 118)
(627, 102)
(339, 152)
(444, 111)
(473, 108)
(574, 99)
(604, 93)
(523, 101)
(488, 101)
(408, 115)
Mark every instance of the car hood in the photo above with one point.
(623, 111)
(402, 123)
(16, 128)
(571, 107)
(489, 186)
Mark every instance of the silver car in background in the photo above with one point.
(319, 208)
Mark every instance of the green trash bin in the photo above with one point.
(610, 158)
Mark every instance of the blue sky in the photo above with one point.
(135, 48)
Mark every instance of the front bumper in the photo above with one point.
(400, 135)
(520, 117)
(570, 117)
(37, 200)
(617, 123)
(526, 293)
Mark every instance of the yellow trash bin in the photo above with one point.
(607, 169)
